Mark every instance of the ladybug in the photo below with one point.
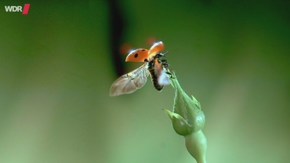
(154, 64)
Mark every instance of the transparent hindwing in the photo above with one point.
(130, 82)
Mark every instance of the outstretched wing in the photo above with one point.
(130, 82)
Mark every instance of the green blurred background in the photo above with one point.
(56, 69)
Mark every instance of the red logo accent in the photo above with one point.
(26, 9)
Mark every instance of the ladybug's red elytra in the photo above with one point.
(143, 55)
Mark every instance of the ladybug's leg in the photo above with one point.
(162, 59)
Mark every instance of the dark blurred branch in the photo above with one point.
(117, 26)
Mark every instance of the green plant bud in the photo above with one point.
(180, 125)
(188, 120)
(187, 108)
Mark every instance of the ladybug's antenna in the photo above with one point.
(162, 54)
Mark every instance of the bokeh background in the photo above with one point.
(57, 65)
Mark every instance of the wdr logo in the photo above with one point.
(25, 10)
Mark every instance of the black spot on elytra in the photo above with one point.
(143, 50)
(136, 55)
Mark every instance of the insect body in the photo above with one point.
(155, 65)
(158, 71)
